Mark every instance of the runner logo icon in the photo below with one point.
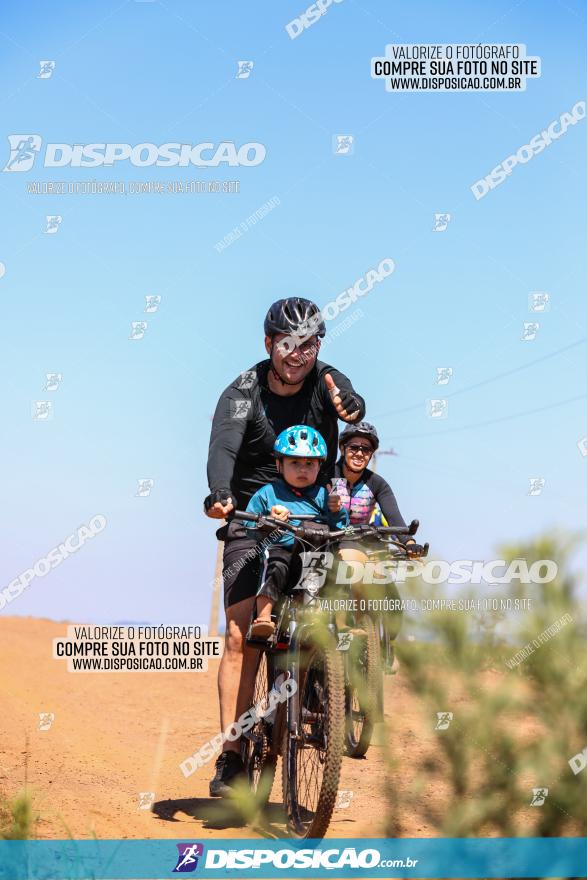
(187, 860)
(444, 719)
(23, 151)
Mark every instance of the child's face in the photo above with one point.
(300, 472)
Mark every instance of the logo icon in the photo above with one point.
(438, 409)
(146, 799)
(443, 375)
(315, 567)
(539, 795)
(144, 488)
(23, 151)
(444, 719)
(53, 381)
(344, 641)
(240, 408)
(582, 446)
(42, 410)
(441, 222)
(137, 329)
(244, 69)
(343, 144)
(53, 223)
(530, 330)
(246, 380)
(344, 798)
(187, 860)
(46, 71)
(539, 301)
(46, 719)
(152, 303)
(536, 485)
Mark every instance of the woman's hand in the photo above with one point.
(278, 511)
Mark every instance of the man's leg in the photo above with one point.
(236, 675)
(237, 667)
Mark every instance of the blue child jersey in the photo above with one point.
(313, 499)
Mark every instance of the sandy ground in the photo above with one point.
(118, 734)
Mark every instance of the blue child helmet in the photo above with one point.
(300, 441)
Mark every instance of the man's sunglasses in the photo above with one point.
(309, 347)
(356, 447)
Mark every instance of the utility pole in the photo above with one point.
(216, 585)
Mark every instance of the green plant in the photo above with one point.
(16, 817)
(516, 723)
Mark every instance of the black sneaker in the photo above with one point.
(229, 769)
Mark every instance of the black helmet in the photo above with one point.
(296, 316)
(363, 429)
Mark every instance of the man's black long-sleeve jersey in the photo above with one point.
(248, 418)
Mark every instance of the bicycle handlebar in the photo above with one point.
(353, 533)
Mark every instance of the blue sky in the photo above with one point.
(165, 72)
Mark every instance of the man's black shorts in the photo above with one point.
(241, 563)
(243, 559)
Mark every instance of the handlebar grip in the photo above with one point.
(414, 526)
(241, 514)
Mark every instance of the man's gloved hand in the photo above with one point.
(219, 504)
(415, 551)
(346, 405)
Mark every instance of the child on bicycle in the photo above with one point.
(299, 451)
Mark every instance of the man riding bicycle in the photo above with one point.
(290, 387)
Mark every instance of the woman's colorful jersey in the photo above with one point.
(358, 500)
(362, 498)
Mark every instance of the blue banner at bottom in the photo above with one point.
(367, 858)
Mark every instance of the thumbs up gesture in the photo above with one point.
(344, 403)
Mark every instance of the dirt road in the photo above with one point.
(116, 735)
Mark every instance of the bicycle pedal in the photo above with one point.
(259, 643)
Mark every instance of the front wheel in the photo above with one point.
(257, 754)
(363, 688)
(312, 755)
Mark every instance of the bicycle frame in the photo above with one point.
(316, 540)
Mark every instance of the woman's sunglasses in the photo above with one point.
(356, 447)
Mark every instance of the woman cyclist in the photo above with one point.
(359, 488)
(361, 491)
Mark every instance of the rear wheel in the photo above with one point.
(312, 759)
(256, 751)
(363, 689)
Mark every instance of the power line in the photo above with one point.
(495, 378)
(528, 412)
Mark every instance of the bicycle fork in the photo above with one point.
(293, 671)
